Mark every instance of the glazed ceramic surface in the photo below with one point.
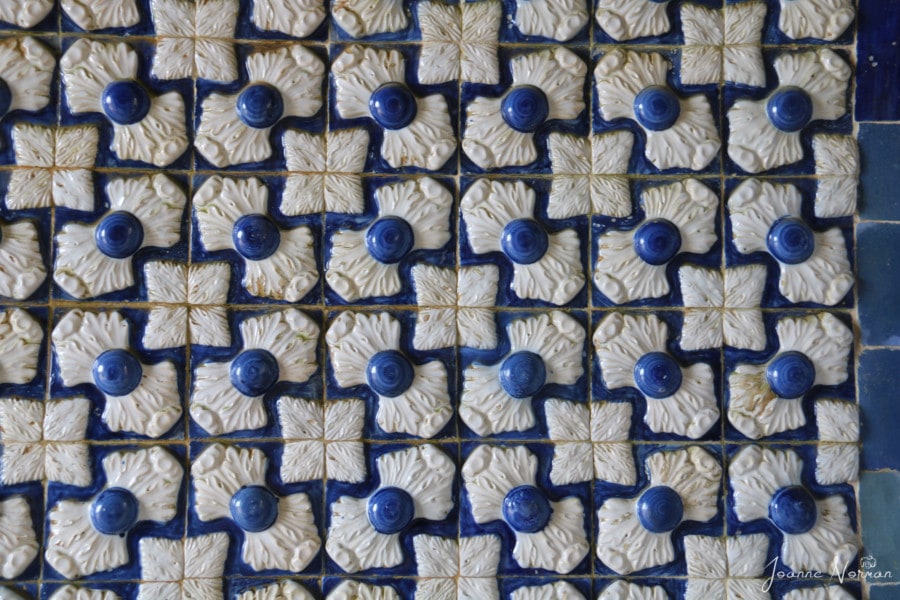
(535, 299)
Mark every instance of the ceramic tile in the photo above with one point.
(875, 367)
(878, 142)
(499, 299)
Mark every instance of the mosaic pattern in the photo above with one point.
(527, 299)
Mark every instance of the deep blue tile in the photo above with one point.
(878, 70)
(879, 146)
(884, 592)
(879, 494)
(880, 421)
(878, 257)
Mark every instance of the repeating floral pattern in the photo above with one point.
(519, 300)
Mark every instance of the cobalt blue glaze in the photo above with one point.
(119, 234)
(660, 509)
(524, 241)
(255, 237)
(522, 374)
(793, 509)
(5, 98)
(254, 508)
(389, 239)
(790, 109)
(393, 106)
(791, 374)
(125, 102)
(389, 373)
(525, 108)
(117, 372)
(657, 241)
(657, 375)
(526, 509)
(657, 108)
(790, 240)
(254, 372)
(390, 510)
(260, 106)
(114, 511)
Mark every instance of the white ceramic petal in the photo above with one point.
(823, 75)
(704, 34)
(830, 542)
(555, 20)
(561, 590)
(360, 70)
(156, 201)
(824, 339)
(22, 268)
(354, 338)
(623, 544)
(75, 548)
(755, 409)
(102, 14)
(427, 142)
(354, 544)
(152, 408)
(88, 67)
(362, 18)
(488, 206)
(218, 407)
(692, 142)
(694, 474)
(295, 72)
(79, 338)
(821, 19)
(424, 204)
(26, 66)
(352, 590)
(281, 589)
(755, 474)
(837, 166)
(288, 274)
(559, 74)
(628, 19)
(354, 274)
(756, 145)
(25, 14)
(490, 473)
(290, 336)
(81, 270)
(423, 409)
(621, 275)
(486, 408)
(220, 202)
(742, 54)
(754, 206)
(621, 74)
(298, 18)
(152, 475)
(557, 277)
(425, 473)
(557, 338)
(220, 471)
(290, 543)
(159, 138)
(620, 340)
(489, 142)
(692, 410)
(559, 546)
(623, 590)
(825, 277)
(20, 340)
(17, 538)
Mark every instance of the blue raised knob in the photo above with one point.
(390, 510)
(790, 240)
(255, 237)
(259, 106)
(791, 374)
(114, 511)
(389, 239)
(793, 509)
(254, 508)
(525, 108)
(522, 374)
(789, 109)
(254, 372)
(393, 106)
(657, 375)
(5, 98)
(119, 234)
(125, 102)
(657, 108)
(657, 241)
(117, 372)
(526, 509)
(524, 241)
(660, 509)
(389, 373)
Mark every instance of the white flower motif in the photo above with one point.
(412, 215)
(102, 14)
(680, 132)
(561, 590)
(636, 533)
(235, 128)
(195, 39)
(678, 218)
(632, 353)
(182, 569)
(436, 297)
(723, 44)
(500, 217)
(355, 590)
(18, 543)
(623, 590)
(765, 134)
(831, 592)
(476, 296)
(365, 349)
(22, 269)
(767, 399)
(278, 346)
(71, 592)
(766, 217)
(92, 536)
(298, 18)
(466, 568)
(25, 13)
(415, 483)
(837, 174)
(820, 19)
(285, 588)
(361, 18)
(628, 19)
(459, 41)
(731, 568)
(94, 348)
(370, 83)
(188, 304)
(279, 532)
(589, 174)
(324, 171)
(20, 342)
(559, 20)
(546, 86)
(497, 480)
(44, 440)
(232, 214)
(544, 349)
(322, 441)
(54, 167)
(95, 259)
(816, 531)
(102, 77)
(26, 68)
(837, 455)
(723, 307)
(590, 442)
